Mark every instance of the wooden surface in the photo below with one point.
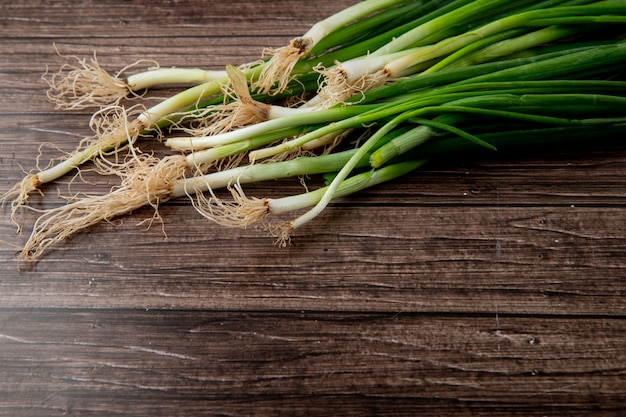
(494, 285)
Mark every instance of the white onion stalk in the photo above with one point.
(278, 118)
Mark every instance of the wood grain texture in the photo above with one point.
(127, 362)
(491, 285)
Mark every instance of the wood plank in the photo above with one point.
(145, 19)
(130, 362)
(524, 259)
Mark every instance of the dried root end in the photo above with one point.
(239, 109)
(328, 142)
(282, 232)
(114, 130)
(277, 74)
(84, 85)
(285, 156)
(240, 213)
(112, 133)
(145, 181)
(231, 116)
(18, 195)
(337, 86)
(223, 164)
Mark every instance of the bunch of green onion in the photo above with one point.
(411, 80)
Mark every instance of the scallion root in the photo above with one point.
(113, 132)
(114, 127)
(338, 86)
(18, 195)
(276, 75)
(240, 213)
(281, 231)
(239, 111)
(85, 85)
(145, 181)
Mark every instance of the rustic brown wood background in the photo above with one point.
(493, 285)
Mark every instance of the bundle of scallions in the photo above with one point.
(411, 80)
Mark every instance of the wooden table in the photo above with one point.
(494, 285)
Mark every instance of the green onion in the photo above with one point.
(407, 81)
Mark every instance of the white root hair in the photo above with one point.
(239, 108)
(276, 74)
(85, 84)
(145, 180)
(337, 85)
(240, 213)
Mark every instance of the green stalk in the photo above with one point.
(340, 186)
(575, 14)
(304, 165)
(560, 66)
(554, 64)
(372, 43)
(481, 105)
(500, 45)
(364, 115)
(454, 17)
(385, 23)
(415, 137)
(346, 187)
(249, 132)
(431, 100)
(543, 101)
(331, 191)
(535, 139)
